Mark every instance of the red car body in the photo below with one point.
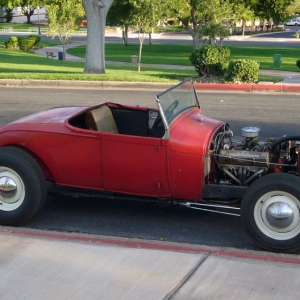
(136, 165)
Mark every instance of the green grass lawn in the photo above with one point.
(264, 56)
(154, 54)
(19, 27)
(15, 64)
(179, 54)
(27, 65)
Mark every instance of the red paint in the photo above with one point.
(224, 86)
(291, 88)
(247, 87)
(266, 87)
(137, 165)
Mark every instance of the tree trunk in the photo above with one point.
(141, 39)
(195, 28)
(96, 12)
(125, 35)
(195, 37)
(150, 38)
(28, 18)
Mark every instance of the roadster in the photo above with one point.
(172, 153)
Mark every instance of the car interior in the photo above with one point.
(118, 119)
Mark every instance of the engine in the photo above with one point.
(241, 160)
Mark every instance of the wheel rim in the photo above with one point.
(277, 215)
(12, 189)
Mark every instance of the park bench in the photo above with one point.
(36, 29)
(31, 29)
(7, 29)
(50, 54)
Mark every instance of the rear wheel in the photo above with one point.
(270, 211)
(22, 187)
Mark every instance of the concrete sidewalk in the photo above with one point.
(47, 265)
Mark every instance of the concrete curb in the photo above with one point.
(82, 84)
(248, 87)
(153, 245)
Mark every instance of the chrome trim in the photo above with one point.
(167, 132)
(198, 206)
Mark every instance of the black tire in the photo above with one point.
(270, 212)
(22, 187)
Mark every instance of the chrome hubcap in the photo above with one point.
(8, 187)
(12, 190)
(280, 215)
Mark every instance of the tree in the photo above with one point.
(195, 14)
(62, 16)
(145, 18)
(9, 15)
(96, 12)
(293, 8)
(214, 31)
(242, 11)
(120, 14)
(27, 6)
(276, 10)
(27, 10)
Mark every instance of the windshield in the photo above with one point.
(175, 100)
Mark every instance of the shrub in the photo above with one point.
(245, 70)
(26, 43)
(298, 63)
(36, 38)
(212, 59)
(11, 43)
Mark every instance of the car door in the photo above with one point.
(132, 164)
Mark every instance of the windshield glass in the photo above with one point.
(177, 99)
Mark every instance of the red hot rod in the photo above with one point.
(172, 153)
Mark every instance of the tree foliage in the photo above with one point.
(276, 10)
(145, 17)
(293, 8)
(197, 14)
(27, 6)
(62, 16)
(242, 12)
(120, 14)
(213, 32)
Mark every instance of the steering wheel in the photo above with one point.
(170, 109)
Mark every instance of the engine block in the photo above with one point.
(243, 157)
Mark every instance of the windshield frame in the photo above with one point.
(170, 111)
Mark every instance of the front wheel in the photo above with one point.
(270, 211)
(22, 187)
